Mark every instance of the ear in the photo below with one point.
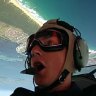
(81, 53)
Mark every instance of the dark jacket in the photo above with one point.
(72, 91)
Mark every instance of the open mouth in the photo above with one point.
(38, 66)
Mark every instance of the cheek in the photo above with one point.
(56, 60)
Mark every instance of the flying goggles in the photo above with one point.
(48, 40)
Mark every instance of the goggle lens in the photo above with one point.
(49, 38)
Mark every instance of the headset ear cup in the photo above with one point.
(81, 53)
(77, 66)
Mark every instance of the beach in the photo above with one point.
(27, 12)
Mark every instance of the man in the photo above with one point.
(54, 52)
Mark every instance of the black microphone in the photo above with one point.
(30, 71)
(33, 70)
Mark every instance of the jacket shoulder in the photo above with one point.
(22, 92)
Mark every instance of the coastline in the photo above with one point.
(27, 12)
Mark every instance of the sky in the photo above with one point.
(15, 27)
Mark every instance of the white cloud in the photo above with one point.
(92, 51)
(92, 57)
(7, 58)
(15, 35)
(92, 54)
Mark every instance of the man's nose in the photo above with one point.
(36, 51)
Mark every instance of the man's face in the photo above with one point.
(48, 64)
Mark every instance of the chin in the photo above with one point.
(41, 83)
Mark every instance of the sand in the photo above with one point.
(26, 11)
